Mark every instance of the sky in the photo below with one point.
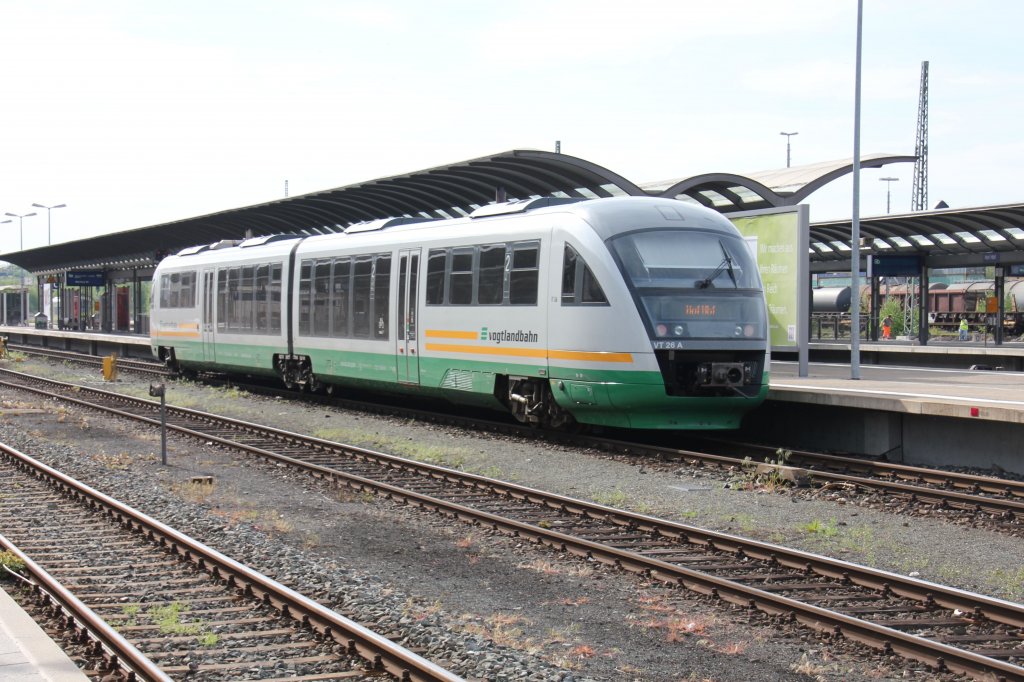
(140, 112)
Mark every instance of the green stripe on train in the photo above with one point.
(633, 399)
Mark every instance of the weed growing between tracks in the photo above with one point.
(10, 564)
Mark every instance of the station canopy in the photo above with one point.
(460, 188)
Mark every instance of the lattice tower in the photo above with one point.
(919, 198)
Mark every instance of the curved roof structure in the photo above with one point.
(949, 237)
(442, 192)
(728, 192)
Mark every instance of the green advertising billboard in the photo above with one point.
(779, 239)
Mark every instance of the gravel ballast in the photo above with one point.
(482, 604)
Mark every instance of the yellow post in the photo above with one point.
(3, 346)
(110, 367)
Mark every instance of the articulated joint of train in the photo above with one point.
(297, 372)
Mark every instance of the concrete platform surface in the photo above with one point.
(979, 395)
(27, 654)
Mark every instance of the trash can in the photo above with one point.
(41, 320)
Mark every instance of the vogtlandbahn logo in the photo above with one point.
(518, 336)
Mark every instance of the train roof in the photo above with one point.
(605, 216)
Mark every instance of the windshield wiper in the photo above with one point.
(725, 265)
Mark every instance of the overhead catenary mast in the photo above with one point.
(919, 198)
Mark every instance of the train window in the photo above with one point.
(569, 275)
(245, 298)
(187, 295)
(222, 299)
(435, 276)
(262, 319)
(460, 282)
(579, 285)
(233, 274)
(361, 286)
(305, 291)
(321, 298)
(592, 291)
(339, 297)
(522, 283)
(165, 291)
(275, 298)
(491, 286)
(381, 296)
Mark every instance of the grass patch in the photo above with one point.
(820, 529)
(10, 562)
(454, 458)
(194, 492)
(169, 619)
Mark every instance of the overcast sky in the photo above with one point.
(140, 112)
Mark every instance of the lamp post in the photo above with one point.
(888, 184)
(21, 226)
(788, 135)
(21, 241)
(48, 209)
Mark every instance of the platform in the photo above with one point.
(27, 654)
(915, 415)
(92, 342)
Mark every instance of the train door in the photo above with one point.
(407, 355)
(206, 327)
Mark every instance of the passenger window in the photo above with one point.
(491, 288)
(259, 297)
(460, 285)
(275, 299)
(523, 279)
(340, 296)
(322, 298)
(361, 284)
(435, 276)
(222, 300)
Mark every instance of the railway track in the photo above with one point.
(945, 628)
(140, 366)
(158, 605)
(931, 491)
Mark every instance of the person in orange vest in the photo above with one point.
(887, 327)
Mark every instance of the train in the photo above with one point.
(947, 303)
(631, 312)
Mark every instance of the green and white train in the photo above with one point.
(628, 312)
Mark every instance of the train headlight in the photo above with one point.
(679, 330)
(748, 330)
(661, 330)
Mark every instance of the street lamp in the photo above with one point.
(21, 237)
(21, 226)
(48, 208)
(788, 135)
(888, 185)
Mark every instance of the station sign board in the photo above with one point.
(86, 278)
(893, 265)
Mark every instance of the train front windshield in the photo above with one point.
(693, 284)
